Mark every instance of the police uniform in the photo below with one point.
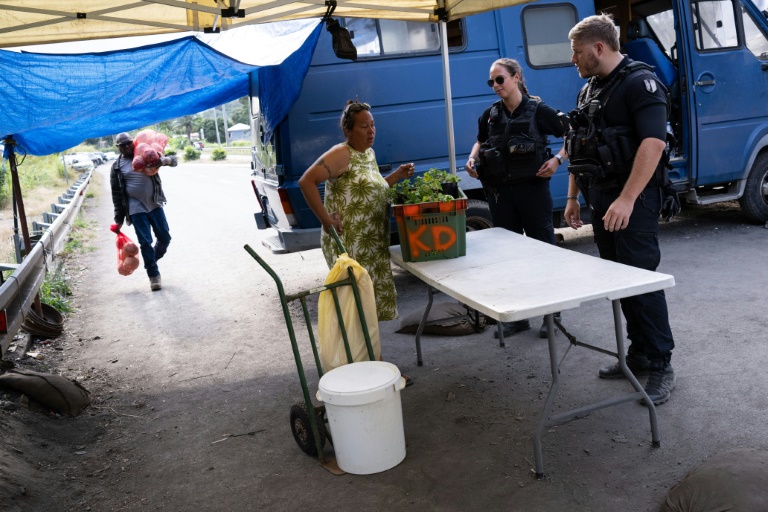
(638, 102)
(522, 204)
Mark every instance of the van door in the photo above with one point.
(729, 84)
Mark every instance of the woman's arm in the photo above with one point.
(331, 165)
(474, 154)
(402, 172)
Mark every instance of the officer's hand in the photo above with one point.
(617, 216)
(573, 214)
(471, 167)
(548, 168)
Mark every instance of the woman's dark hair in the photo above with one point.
(513, 67)
(347, 116)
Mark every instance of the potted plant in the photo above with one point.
(434, 186)
(430, 211)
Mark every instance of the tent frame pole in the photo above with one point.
(19, 201)
(448, 97)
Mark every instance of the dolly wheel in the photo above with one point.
(302, 429)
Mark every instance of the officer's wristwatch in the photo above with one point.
(559, 159)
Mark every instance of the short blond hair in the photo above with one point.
(598, 28)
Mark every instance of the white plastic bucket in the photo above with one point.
(365, 415)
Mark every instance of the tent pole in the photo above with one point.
(448, 98)
(226, 124)
(216, 124)
(20, 204)
(66, 174)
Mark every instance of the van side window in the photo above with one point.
(384, 38)
(753, 36)
(545, 32)
(714, 24)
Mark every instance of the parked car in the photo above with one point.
(96, 159)
(80, 162)
(111, 155)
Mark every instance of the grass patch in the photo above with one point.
(79, 236)
(56, 291)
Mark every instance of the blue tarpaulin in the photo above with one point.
(52, 102)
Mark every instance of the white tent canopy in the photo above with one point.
(25, 22)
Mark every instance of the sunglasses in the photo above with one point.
(123, 144)
(499, 80)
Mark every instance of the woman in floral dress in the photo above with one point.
(356, 202)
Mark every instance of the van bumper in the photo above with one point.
(283, 240)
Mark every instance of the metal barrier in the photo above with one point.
(17, 294)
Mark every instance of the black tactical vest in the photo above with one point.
(515, 149)
(596, 152)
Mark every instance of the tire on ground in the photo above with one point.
(754, 201)
(478, 215)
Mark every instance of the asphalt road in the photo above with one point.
(210, 359)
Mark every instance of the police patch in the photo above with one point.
(650, 85)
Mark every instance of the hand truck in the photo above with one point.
(308, 423)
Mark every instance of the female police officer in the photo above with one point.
(513, 163)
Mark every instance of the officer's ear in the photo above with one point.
(599, 48)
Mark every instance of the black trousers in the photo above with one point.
(637, 245)
(523, 208)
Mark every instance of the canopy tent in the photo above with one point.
(27, 22)
(54, 101)
(45, 21)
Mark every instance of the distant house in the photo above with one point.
(239, 131)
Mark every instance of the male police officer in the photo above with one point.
(616, 146)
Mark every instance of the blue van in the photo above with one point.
(712, 54)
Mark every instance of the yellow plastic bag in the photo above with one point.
(330, 340)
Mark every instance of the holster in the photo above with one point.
(586, 171)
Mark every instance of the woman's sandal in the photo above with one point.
(408, 380)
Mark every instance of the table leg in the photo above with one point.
(553, 364)
(630, 376)
(422, 324)
(500, 327)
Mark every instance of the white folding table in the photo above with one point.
(511, 277)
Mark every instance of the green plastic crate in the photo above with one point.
(433, 236)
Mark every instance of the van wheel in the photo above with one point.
(754, 202)
(478, 215)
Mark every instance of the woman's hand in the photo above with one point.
(401, 173)
(405, 171)
(572, 213)
(548, 168)
(470, 166)
(334, 219)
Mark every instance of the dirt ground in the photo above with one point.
(192, 386)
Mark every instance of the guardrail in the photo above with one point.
(17, 293)
(232, 150)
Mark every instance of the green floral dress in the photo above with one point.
(359, 196)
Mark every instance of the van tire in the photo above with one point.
(478, 215)
(754, 201)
